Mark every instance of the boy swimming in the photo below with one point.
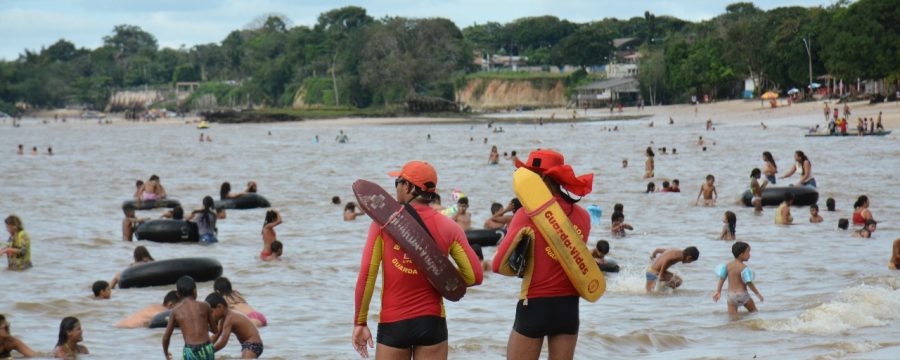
(659, 267)
(143, 317)
(708, 191)
(101, 290)
(814, 216)
(739, 277)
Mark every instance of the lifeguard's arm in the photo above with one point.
(467, 262)
(718, 293)
(790, 172)
(368, 274)
(519, 220)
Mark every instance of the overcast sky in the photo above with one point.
(33, 24)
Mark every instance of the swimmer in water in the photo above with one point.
(708, 191)
(142, 318)
(659, 266)
(700, 141)
(494, 157)
(273, 219)
(756, 189)
(251, 187)
(814, 216)
(18, 248)
(624, 163)
(21, 150)
(8, 343)
(177, 213)
(225, 192)
(651, 188)
(805, 167)
(649, 165)
(728, 230)
(462, 216)
(237, 302)
(350, 212)
(275, 251)
(770, 170)
(335, 200)
(139, 187)
(152, 189)
(34, 150)
(102, 290)
(499, 219)
(70, 335)
(130, 222)
(783, 213)
(867, 230)
(195, 320)
(861, 212)
(894, 264)
(618, 226)
(230, 321)
(740, 277)
(600, 251)
(675, 188)
(141, 256)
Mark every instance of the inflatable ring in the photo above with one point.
(485, 237)
(160, 320)
(167, 231)
(243, 202)
(167, 272)
(774, 196)
(609, 266)
(151, 204)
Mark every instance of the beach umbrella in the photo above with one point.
(793, 91)
(769, 95)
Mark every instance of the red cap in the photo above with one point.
(419, 173)
(552, 164)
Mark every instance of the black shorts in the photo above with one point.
(420, 331)
(547, 317)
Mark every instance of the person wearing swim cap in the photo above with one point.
(412, 323)
(739, 277)
(548, 302)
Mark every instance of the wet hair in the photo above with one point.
(185, 286)
(463, 201)
(618, 208)
(603, 246)
(128, 208)
(178, 213)
(223, 286)
(67, 324)
(860, 201)
(351, 206)
(710, 177)
(516, 204)
(141, 253)
(802, 156)
(617, 216)
(651, 187)
(170, 298)
(738, 248)
(732, 221)
(276, 247)
(815, 207)
(755, 173)
(829, 204)
(251, 187)
(14, 221)
(767, 157)
(271, 215)
(675, 182)
(665, 184)
(495, 207)
(224, 190)
(214, 299)
(139, 183)
(789, 197)
(154, 177)
(513, 153)
(843, 224)
(99, 286)
(208, 204)
(649, 152)
(336, 200)
(692, 252)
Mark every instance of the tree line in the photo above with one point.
(350, 59)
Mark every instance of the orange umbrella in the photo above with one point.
(769, 95)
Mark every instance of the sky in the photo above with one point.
(33, 24)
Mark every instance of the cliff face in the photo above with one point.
(482, 93)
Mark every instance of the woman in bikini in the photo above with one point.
(237, 302)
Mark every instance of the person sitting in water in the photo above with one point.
(894, 264)
(618, 226)
(730, 226)
(102, 290)
(274, 251)
(70, 335)
(141, 256)
(739, 278)
(783, 213)
(867, 230)
(130, 222)
(350, 212)
(142, 318)
(229, 321)
(659, 266)
(462, 216)
(152, 189)
(273, 219)
(814, 216)
(177, 213)
(861, 212)
(237, 302)
(8, 343)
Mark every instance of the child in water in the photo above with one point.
(708, 191)
(814, 216)
(756, 189)
(18, 249)
(618, 227)
(739, 277)
(783, 213)
(659, 266)
(867, 230)
(350, 212)
(273, 219)
(102, 290)
(274, 251)
(728, 230)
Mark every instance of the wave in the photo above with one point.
(641, 341)
(855, 308)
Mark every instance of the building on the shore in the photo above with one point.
(603, 93)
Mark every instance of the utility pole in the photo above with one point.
(806, 41)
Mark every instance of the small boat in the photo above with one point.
(203, 125)
(850, 133)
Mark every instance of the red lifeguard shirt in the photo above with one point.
(406, 293)
(548, 278)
